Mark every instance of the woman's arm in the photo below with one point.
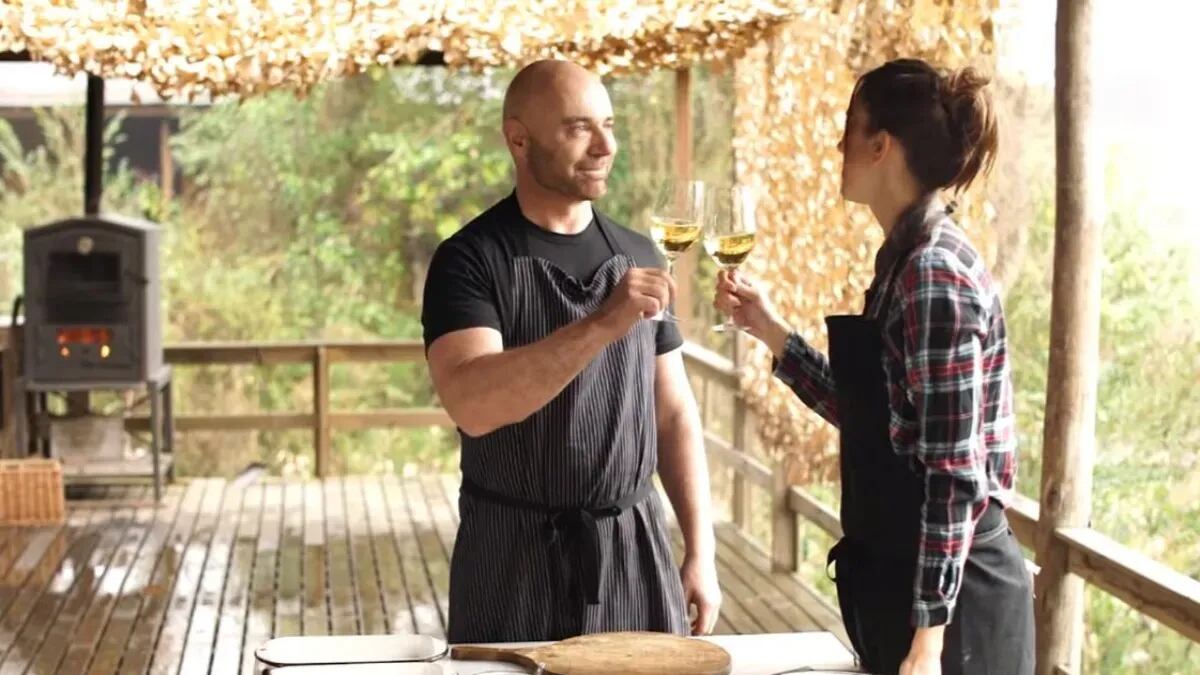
(804, 369)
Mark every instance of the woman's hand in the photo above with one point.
(925, 655)
(739, 297)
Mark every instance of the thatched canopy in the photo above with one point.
(243, 47)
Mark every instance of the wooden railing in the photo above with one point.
(1148, 586)
(320, 418)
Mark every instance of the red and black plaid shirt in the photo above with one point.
(945, 360)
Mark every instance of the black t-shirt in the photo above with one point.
(470, 273)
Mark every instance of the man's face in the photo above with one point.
(571, 146)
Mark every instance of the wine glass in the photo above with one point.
(729, 227)
(676, 222)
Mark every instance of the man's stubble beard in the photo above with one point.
(541, 165)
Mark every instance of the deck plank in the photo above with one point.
(140, 583)
(816, 607)
(235, 599)
(201, 631)
(71, 639)
(386, 546)
(362, 557)
(441, 519)
(421, 553)
(168, 651)
(260, 616)
(289, 586)
(42, 548)
(343, 597)
(316, 600)
(128, 565)
(66, 588)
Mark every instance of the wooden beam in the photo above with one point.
(399, 417)
(252, 422)
(250, 353)
(1151, 588)
(337, 420)
(367, 352)
(814, 511)
(1023, 517)
(754, 471)
(1074, 344)
(234, 353)
(685, 267)
(710, 365)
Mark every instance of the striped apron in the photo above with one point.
(561, 532)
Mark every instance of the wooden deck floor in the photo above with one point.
(194, 585)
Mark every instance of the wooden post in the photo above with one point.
(741, 506)
(8, 376)
(1070, 427)
(784, 542)
(166, 163)
(321, 433)
(685, 267)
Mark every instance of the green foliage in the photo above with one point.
(1147, 479)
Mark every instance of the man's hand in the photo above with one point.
(701, 591)
(642, 294)
(925, 655)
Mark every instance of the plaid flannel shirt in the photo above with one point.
(945, 361)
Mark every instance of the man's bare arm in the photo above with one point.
(484, 387)
(682, 464)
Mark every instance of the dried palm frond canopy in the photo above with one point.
(243, 47)
(796, 62)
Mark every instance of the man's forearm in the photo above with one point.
(683, 467)
(492, 391)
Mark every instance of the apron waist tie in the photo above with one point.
(570, 528)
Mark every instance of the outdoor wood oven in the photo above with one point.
(92, 301)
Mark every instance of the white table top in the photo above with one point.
(765, 654)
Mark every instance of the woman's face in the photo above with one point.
(861, 155)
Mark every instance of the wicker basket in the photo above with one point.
(31, 492)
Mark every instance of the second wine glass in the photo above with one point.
(729, 231)
(676, 221)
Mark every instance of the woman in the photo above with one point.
(930, 578)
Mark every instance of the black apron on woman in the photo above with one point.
(991, 630)
(561, 530)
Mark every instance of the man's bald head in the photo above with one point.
(558, 123)
(543, 82)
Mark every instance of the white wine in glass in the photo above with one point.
(674, 236)
(676, 222)
(729, 233)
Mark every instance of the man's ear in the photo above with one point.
(515, 135)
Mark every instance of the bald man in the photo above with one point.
(569, 396)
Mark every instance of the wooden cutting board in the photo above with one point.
(631, 653)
